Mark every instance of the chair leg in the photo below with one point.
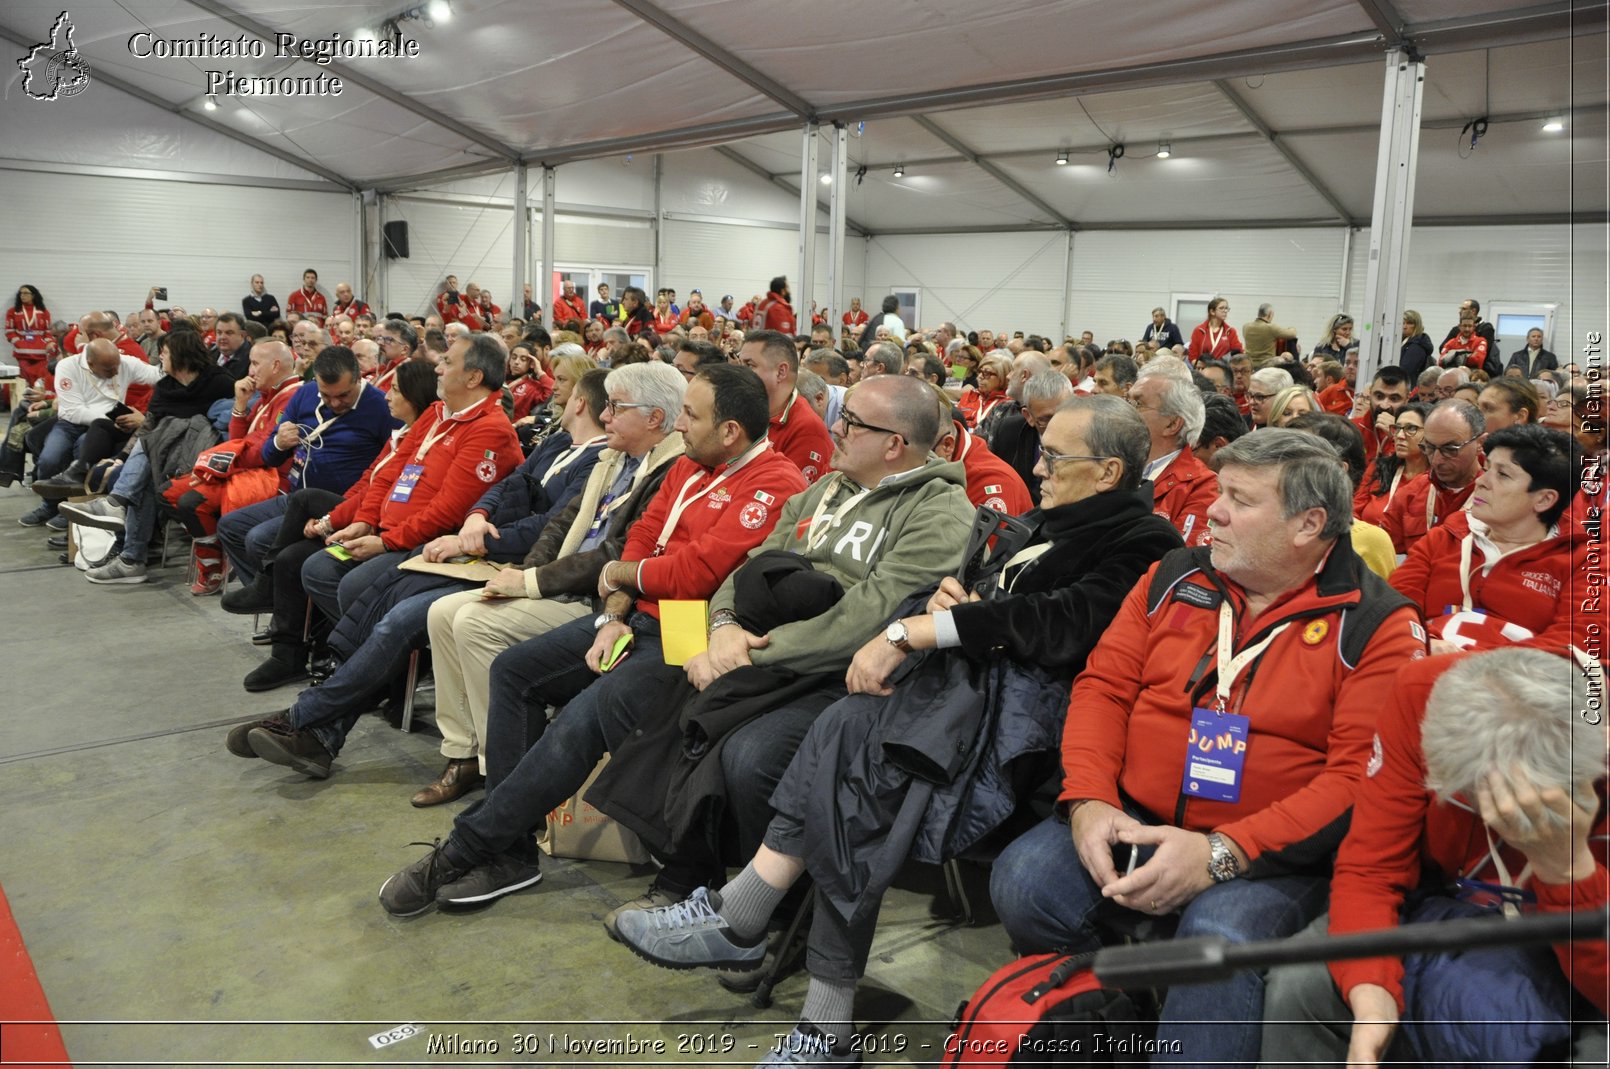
(408, 691)
(958, 892)
(761, 999)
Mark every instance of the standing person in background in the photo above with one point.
(1467, 347)
(1338, 338)
(604, 309)
(856, 317)
(28, 331)
(1415, 356)
(1214, 336)
(1263, 336)
(568, 305)
(260, 306)
(1162, 331)
(308, 302)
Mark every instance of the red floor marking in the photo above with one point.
(22, 999)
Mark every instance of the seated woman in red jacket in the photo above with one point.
(979, 400)
(1503, 572)
(1390, 472)
(1485, 793)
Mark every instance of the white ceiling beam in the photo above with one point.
(756, 169)
(363, 81)
(1290, 157)
(709, 50)
(993, 171)
(183, 112)
(426, 179)
(1386, 19)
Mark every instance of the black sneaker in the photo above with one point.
(277, 671)
(487, 883)
(411, 891)
(300, 750)
(237, 743)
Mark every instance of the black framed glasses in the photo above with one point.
(1260, 397)
(851, 422)
(1450, 450)
(1052, 458)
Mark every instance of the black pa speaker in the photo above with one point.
(395, 240)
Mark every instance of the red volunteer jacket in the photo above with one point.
(779, 316)
(28, 331)
(855, 319)
(1337, 399)
(462, 312)
(481, 449)
(1405, 518)
(530, 391)
(1181, 494)
(1370, 506)
(1312, 715)
(1203, 346)
(1475, 345)
(1530, 588)
(664, 325)
(701, 318)
(716, 531)
(800, 435)
(1375, 443)
(313, 307)
(567, 308)
(1402, 836)
(990, 480)
(352, 309)
(259, 425)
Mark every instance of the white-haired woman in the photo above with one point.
(1485, 792)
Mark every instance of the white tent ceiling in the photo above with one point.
(1271, 108)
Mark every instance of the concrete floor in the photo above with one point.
(183, 906)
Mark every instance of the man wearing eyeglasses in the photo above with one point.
(796, 431)
(397, 341)
(1452, 446)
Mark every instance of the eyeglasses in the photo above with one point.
(851, 422)
(1450, 450)
(614, 407)
(1260, 397)
(1052, 458)
(1408, 430)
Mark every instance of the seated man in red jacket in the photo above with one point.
(1216, 737)
(718, 501)
(451, 455)
(1485, 792)
(1451, 443)
(1171, 405)
(796, 431)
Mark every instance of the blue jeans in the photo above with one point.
(60, 448)
(1046, 900)
(135, 488)
(246, 534)
(532, 766)
(330, 709)
(333, 583)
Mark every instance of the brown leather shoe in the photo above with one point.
(458, 779)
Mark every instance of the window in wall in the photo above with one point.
(1513, 319)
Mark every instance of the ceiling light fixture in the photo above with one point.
(899, 170)
(1554, 125)
(1163, 150)
(210, 104)
(366, 33)
(439, 10)
(827, 180)
(1062, 158)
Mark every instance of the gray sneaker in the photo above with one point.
(103, 512)
(487, 883)
(655, 897)
(805, 1045)
(411, 891)
(117, 570)
(688, 935)
(57, 522)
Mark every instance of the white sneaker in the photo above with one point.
(117, 570)
(103, 512)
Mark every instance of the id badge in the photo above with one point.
(406, 482)
(1216, 756)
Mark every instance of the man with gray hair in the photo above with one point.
(1449, 380)
(1242, 641)
(1171, 406)
(617, 343)
(883, 358)
(1261, 390)
(1262, 336)
(1115, 374)
(1024, 367)
(1502, 742)
(398, 342)
(1017, 439)
(1451, 443)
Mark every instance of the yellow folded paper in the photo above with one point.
(684, 630)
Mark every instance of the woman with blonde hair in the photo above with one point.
(1290, 403)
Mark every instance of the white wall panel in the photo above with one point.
(1563, 264)
(723, 258)
(477, 244)
(976, 281)
(98, 242)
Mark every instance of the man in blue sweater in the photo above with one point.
(332, 429)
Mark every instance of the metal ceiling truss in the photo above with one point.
(183, 112)
(993, 171)
(1598, 217)
(1257, 123)
(780, 182)
(1386, 19)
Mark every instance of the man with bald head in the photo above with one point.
(346, 304)
(1451, 443)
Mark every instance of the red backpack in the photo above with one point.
(1049, 1010)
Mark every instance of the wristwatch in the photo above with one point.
(1222, 864)
(898, 637)
(606, 618)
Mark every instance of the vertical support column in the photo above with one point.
(360, 279)
(658, 282)
(382, 263)
(1392, 216)
(522, 245)
(805, 282)
(1067, 287)
(544, 283)
(837, 195)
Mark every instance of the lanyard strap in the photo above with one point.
(268, 404)
(1431, 504)
(686, 496)
(1231, 667)
(1467, 547)
(822, 523)
(564, 460)
(1021, 561)
(442, 428)
(1510, 909)
(788, 409)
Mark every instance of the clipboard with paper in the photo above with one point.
(469, 569)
